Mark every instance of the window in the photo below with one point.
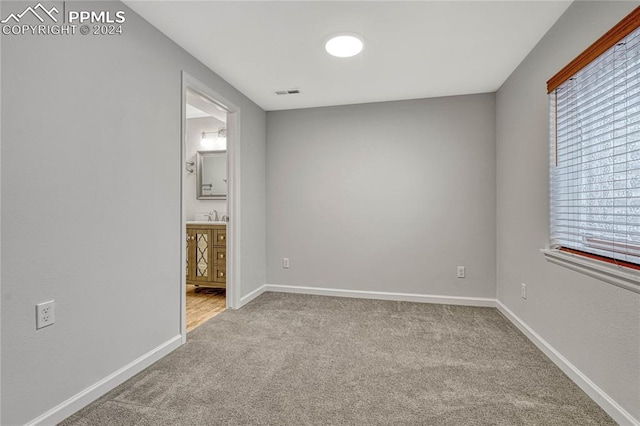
(595, 149)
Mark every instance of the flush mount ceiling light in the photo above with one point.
(344, 45)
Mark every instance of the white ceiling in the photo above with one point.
(199, 106)
(413, 49)
(193, 112)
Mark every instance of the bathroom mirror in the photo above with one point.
(212, 175)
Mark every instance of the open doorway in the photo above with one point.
(209, 203)
(205, 199)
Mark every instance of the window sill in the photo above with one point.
(619, 276)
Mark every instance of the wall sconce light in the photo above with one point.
(221, 137)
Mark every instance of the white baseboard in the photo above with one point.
(381, 295)
(249, 297)
(93, 392)
(607, 403)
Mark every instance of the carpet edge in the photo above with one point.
(381, 295)
(101, 387)
(608, 404)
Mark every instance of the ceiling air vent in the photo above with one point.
(288, 92)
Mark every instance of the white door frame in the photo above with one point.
(233, 196)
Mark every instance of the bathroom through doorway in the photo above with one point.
(205, 197)
(207, 205)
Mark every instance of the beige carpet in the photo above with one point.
(309, 360)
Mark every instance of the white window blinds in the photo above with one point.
(595, 156)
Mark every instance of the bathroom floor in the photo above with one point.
(203, 304)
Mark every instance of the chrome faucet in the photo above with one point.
(214, 214)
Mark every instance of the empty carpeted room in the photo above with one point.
(431, 212)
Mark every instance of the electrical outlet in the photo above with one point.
(45, 314)
(524, 291)
(285, 262)
(461, 271)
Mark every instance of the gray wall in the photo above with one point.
(91, 204)
(595, 325)
(384, 197)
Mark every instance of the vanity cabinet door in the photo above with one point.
(200, 255)
(207, 255)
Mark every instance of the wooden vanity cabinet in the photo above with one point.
(207, 255)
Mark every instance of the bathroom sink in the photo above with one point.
(206, 222)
